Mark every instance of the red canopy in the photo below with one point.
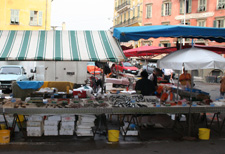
(152, 50)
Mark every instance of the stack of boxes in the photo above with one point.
(84, 125)
(35, 125)
(51, 126)
(67, 125)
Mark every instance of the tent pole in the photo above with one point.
(178, 85)
(189, 112)
(181, 43)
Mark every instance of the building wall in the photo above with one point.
(210, 15)
(24, 7)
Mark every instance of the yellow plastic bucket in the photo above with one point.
(113, 135)
(21, 117)
(203, 133)
(4, 136)
(2, 126)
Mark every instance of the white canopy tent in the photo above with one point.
(192, 59)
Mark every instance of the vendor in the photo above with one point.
(153, 76)
(145, 86)
(167, 74)
(185, 78)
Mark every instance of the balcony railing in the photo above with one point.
(123, 5)
(129, 22)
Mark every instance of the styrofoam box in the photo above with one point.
(51, 133)
(66, 132)
(86, 119)
(51, 128)
(35, 118)
(67, 125)
(55, 118)
(85, 134)
(51, 123)
(68, 118)
(34, 133)
(130, 132)
(34, 123)
(85, 125)
(85, 131)
(34, 128)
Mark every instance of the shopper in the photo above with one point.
(153, 76)
(145, 86)
(167, 74)
(222, 87)
(185, 78)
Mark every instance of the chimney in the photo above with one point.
(63, 26)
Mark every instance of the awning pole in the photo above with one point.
(178, 85)
(181, 43)
(189, 113)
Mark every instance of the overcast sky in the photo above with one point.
(83, 14)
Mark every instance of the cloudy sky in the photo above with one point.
(83, 14)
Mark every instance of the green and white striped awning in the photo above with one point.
(59, 46)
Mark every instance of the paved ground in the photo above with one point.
(164, 140)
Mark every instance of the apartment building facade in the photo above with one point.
(25, 14)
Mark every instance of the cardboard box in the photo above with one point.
(34, 128)
(85, 131)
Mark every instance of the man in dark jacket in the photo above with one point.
(145, 86)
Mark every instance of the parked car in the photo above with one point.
(92, 69)
(127, 67)
(10, 73)
(149, 67)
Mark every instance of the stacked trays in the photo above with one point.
(84, 125)
(51, 125)
(35, 125)
(67, 125)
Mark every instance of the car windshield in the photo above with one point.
(10, 70)
(127, 64)
(91, 63)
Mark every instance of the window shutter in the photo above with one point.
(32, 16)
(160, 45)
(150, 11)
(189, 6)
(128, 15)
(12, 16)
(181, 6)
(40, 18)
(138, 11)
(214, 23)
(170, 7)
(16, 15)
(133, 12)
(162, 11)
(169, 45)
(222, 23)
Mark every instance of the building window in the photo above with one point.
(221, 4)
(202, 5)
(166, 9)
(165, 44)
(14, 19)
(186, 7)
(133, 12)
(124, 18)
(36, 18)
(201, 23)
(129, 15)
(138, 9)
(219, 23)
(165, 23)
(148, 11)
(187, 22)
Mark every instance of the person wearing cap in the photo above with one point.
(145, 86)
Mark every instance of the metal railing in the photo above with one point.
(122, 5)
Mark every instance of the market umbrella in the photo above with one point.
(192, 59)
